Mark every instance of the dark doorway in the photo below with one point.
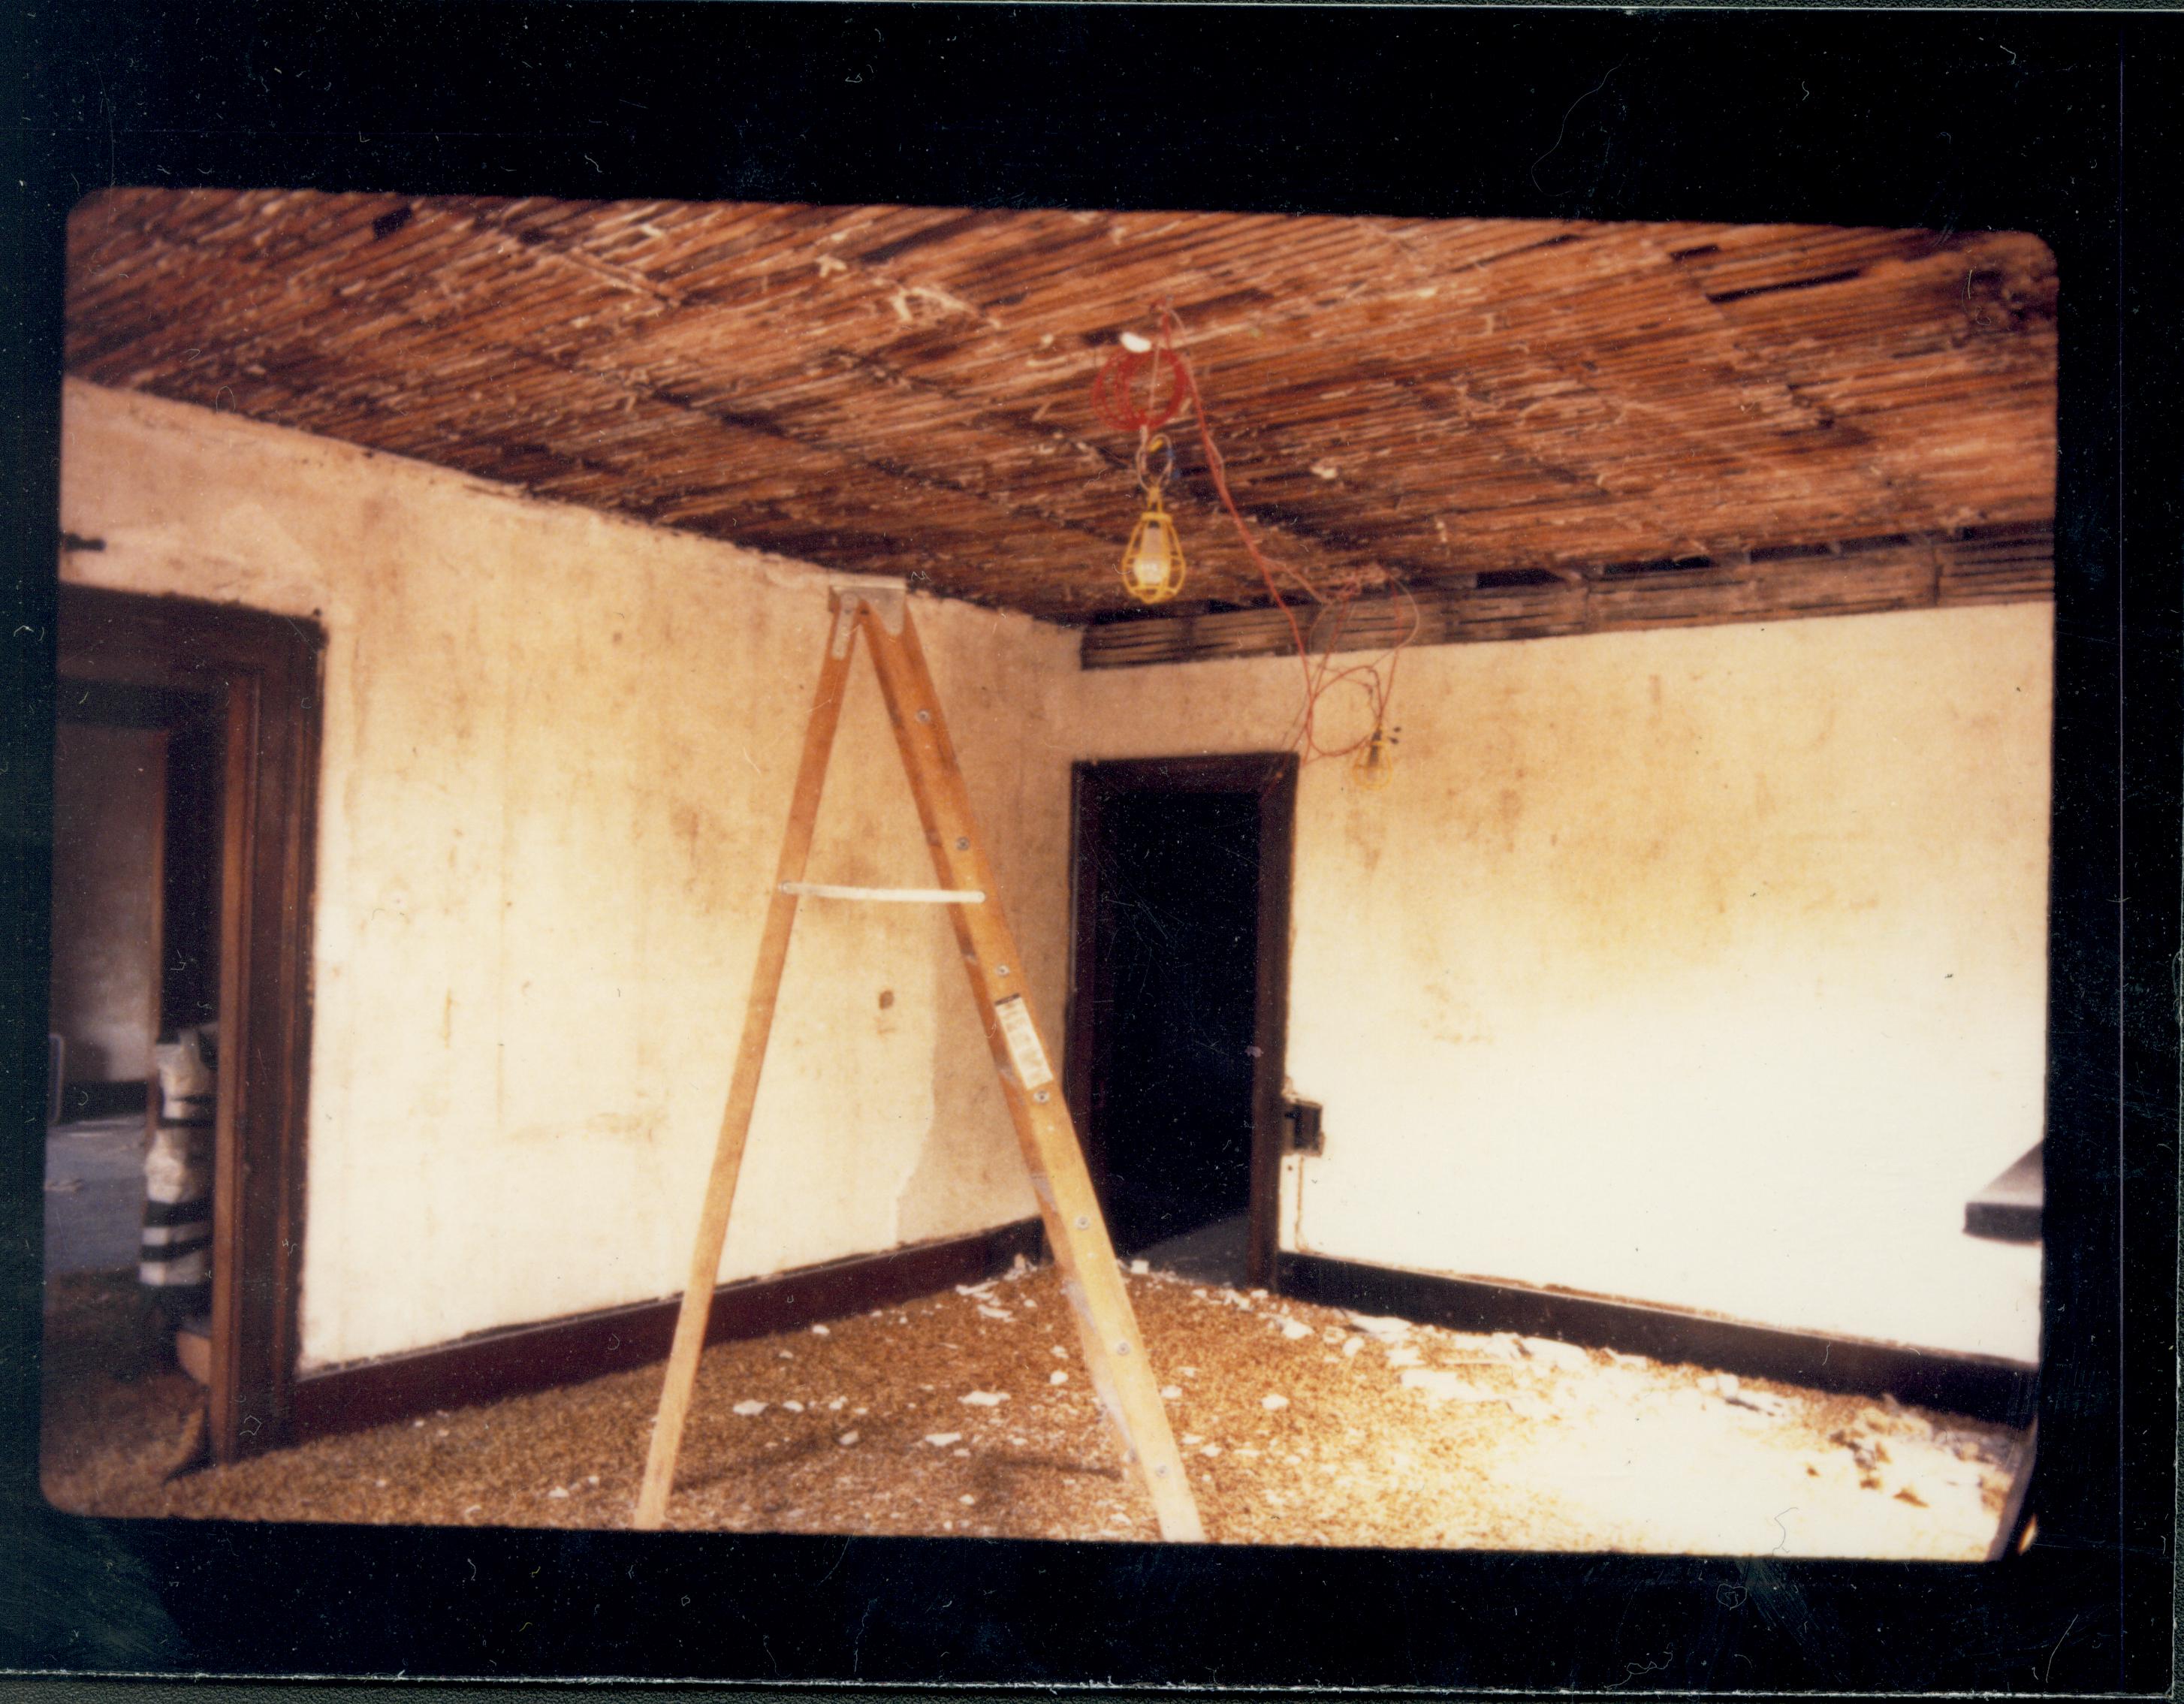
(136, 899)
(133, 1005)
(1179, 992)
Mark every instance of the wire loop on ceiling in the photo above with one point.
(1141, 391)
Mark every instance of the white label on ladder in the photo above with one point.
(1022, 1038)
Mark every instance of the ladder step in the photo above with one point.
(902, 896)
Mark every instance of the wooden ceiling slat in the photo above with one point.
(904, 389)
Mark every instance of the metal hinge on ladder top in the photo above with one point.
(887, 597)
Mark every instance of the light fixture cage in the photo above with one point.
(1153, 569)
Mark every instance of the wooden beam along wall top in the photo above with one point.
(1982, 566)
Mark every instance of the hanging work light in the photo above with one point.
(1153, 568)
(1145, 383)
(1373, 765)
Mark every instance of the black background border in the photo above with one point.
(2059, 124)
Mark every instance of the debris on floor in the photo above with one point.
(1351, 1431)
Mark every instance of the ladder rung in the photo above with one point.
(901, 896)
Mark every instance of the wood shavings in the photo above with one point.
(1355, 1458)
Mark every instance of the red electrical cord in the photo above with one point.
(1168, 383)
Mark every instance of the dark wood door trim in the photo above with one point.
(266, 670)
(1271, 1023)
(1272, 776)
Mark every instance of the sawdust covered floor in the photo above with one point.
(969, 1413)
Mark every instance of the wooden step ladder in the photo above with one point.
(1076, 1232)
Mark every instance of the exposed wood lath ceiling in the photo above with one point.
(905, 389)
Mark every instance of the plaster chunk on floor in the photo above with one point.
(1438, 1386)
(1565, 1355)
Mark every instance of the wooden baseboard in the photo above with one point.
(566, 1351)
(2004, 1391)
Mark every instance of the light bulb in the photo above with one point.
(1149, 565)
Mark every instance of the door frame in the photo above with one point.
(266, 669)
(1094, 785)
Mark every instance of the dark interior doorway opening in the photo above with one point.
(1179, 990)
(138, 775)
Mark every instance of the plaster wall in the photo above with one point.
(558, 752)
(1704, 966)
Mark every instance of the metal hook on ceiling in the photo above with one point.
(1150, 444)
